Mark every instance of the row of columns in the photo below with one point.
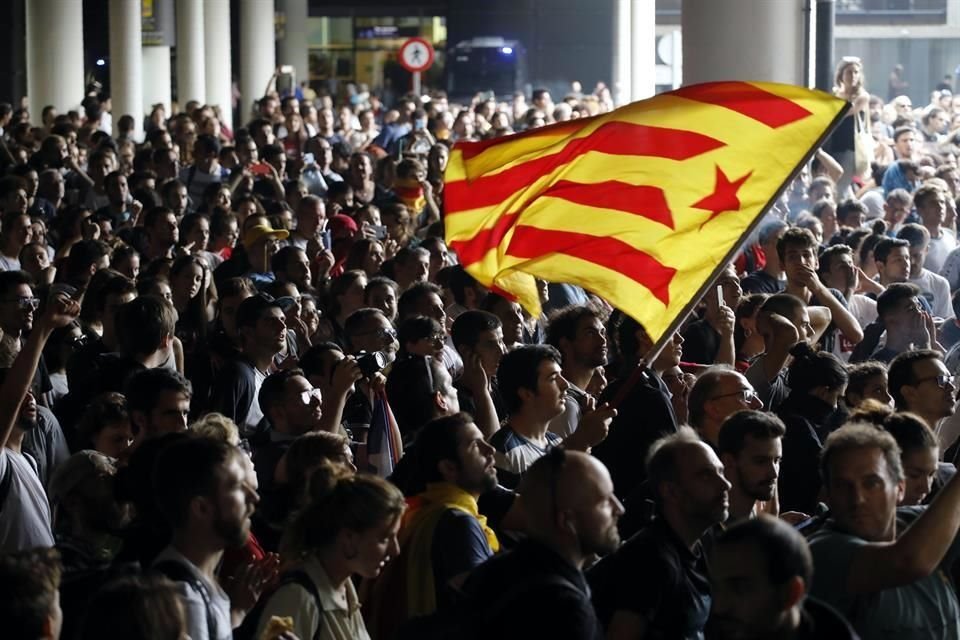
(734, 39)
(140, 75)
(728, 40)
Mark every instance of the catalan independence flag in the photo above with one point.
(641, 205)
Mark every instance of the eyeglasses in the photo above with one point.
(747, 395)
(437, 338)
(24, 302)
(942, 380)
(78, 342)
(306, 397)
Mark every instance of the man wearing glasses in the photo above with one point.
(18, 308)
(292, 407)
(718, 393)
(920, 383)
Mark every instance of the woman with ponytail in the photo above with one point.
(349, 527)
(817, 381)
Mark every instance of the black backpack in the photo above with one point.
(248, 629)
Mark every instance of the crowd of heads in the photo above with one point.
(256, 344)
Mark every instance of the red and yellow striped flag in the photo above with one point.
(639, 205)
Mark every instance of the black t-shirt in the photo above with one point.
(459, 546)
(762, 282)
(645, 415)
(532, 592)
(655, 576)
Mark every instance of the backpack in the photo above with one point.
(248, 629)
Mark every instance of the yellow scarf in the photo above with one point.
(416, 540)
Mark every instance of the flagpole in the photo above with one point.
(661, 342)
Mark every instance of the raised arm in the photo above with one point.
(60, 312)
(915, 554)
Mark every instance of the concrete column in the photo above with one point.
(292, 48)
(743, 40)
(216, 29)
(156, 75)
(191, 60)
(643, 49)
(257, 51)
(126, 63)
(54, 55)
(621, 88)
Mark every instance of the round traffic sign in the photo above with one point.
(416, 54)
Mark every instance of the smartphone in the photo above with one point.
(260, 169)
(326, 240)
(380, 230)
(308, 159)
(720, 302)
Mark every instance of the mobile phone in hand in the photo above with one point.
(260, 169)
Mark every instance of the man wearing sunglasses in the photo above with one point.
(291, 406)
(18, 308)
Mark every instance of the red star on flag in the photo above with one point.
(724, 197)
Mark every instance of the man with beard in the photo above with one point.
(672, 599)
(534, 390)
(577, 332)
(24, 510)
(88, 523)
(750, 449)
(537, 589)
(760, 573)
(443, 536)
(202, 490)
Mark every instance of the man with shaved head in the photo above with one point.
(571, 514)
(672, 599)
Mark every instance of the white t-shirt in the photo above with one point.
(254, 414)
(939, 249)
(936, 290)
(25, 512)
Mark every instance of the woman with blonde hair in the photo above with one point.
(852, 143)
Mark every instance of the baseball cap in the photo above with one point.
(78, 468)
(257, 232)
(251, 309)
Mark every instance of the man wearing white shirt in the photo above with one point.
(931, 203)
(933, 287)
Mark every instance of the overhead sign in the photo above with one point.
(416, 55)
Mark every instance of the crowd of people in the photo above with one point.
(247, 392)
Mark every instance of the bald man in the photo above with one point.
(538, 588)
(655, 585)
(719, 392)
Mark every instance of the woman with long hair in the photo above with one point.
(188, 282)
(366, 255)
(817, 381)
(349, 527)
